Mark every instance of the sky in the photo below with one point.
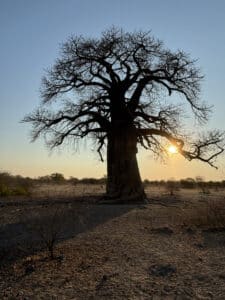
(31, 33)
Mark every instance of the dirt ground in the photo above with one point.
(171, 248)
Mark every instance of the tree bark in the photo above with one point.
(123, 181)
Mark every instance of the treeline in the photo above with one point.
(19, 185)
(59, 178)
(9, 179)
(187, 183)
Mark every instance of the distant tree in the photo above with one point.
(109, 89)
(73, 180)
(89, 181)
(188, 183)
(199, 178)
(44, 179)
(172, 186)
(57, 177)
(202, 185)
(146, 182)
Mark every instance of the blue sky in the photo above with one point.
(31, 33)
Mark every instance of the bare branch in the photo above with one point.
(205, 149)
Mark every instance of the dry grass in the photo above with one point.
(162, 250)
(66, 190)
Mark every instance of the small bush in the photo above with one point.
(211, 217)
(4, 190)
(188, 183)
(50, 225)
(49, 229)
(11, 185)
(172, 186)
(73, 180)
(216, 214)
(57, 178)
(20, 191)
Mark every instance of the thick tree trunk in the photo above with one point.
(123, 180)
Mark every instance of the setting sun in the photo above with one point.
(172, 149)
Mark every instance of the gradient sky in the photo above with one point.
(31, 33)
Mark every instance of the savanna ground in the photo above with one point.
(170, 248)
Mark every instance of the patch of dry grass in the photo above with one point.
(143, 252)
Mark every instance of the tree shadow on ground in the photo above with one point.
(68, 217)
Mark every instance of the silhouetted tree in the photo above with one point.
(188, 183)
(109, 89)
(172, 186)
(57, 177)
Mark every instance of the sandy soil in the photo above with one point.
(171, 248)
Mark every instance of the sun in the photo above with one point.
(172, 149)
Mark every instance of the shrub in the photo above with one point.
(48, 229)
(57, 177)
(73, 180)
(89, 181)
(11, 185)
(172, 186)
(20, 191)
(146, 182)
(188, 183)
(49, 225)
(4, 190)
(211, 217)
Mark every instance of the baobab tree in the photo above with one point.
(116, 89)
